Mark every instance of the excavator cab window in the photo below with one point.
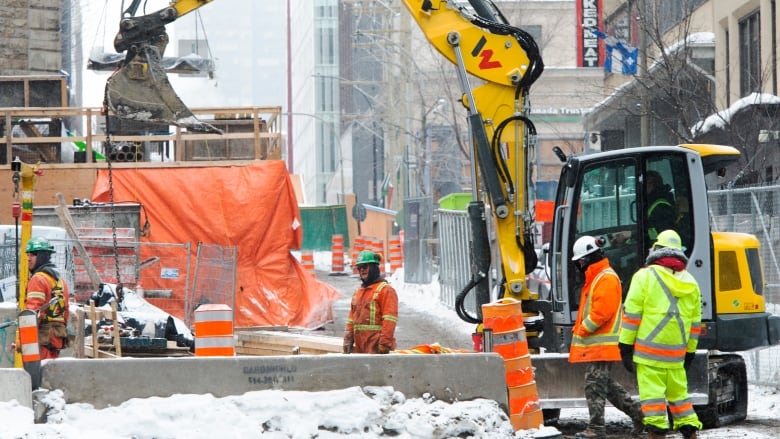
(607, 207)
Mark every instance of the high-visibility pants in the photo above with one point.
(657, 386)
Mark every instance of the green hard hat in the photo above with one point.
(39, 244)
(367, 257)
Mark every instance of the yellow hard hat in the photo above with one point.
(669, 238)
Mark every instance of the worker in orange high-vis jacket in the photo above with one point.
(373, 314)
(595, 338)
(47, 294)
(659, 333)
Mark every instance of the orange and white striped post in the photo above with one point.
(396, 254)
(307, 260)
(30, 349)
(337, 255)
(214, 331)
(28, 337)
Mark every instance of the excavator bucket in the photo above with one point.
(140, 91)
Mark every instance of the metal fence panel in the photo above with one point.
(215, 278)
(419, 260)
(454, 236)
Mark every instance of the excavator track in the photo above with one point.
(728, 392)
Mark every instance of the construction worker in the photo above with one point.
(373, 314)
(47, 294)
(595, 338)
(661, 211)
(659, 334)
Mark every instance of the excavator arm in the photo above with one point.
(139, 89)
(478, 40)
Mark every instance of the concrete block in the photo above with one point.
(15, 384)
(110, 382)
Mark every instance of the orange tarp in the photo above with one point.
(251, 207)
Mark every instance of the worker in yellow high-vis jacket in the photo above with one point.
(659, 333)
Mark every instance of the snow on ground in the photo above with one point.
(370, 412)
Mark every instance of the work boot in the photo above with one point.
(689, 432)
(655, 432)
(590, 434)
(638, 429)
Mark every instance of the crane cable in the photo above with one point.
(106, 147)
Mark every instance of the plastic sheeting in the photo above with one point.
(252, 207)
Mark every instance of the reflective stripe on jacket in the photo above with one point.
(662, 316)
(372, 317)
(40, 288)
(595, 334)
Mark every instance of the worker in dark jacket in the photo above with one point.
(373, 314)
(47, 294)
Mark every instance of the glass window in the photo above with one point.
(728, 271)
(750, 54)
(754, 265)
(607, 208)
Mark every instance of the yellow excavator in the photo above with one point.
(601, 194)
(139, 89)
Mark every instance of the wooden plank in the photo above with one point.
(78, 349)
(269, 351)
(115, 323)
(90, 352)
(93, 321)
(67, 221)
(286, 341)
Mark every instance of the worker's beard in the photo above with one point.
(372, 276)
(41, 259)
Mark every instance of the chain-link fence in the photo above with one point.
(215, 278)
(747, 210)
(752, 210)
(163, 273)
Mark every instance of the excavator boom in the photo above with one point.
(476, 37)
(139, 89)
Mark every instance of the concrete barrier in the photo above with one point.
(15, 384)
(109, 382)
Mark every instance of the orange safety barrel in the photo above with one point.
(396, 254)
(214, 331)
(358, 246)
(505, 319)
(378, 247)
(519, 371)
(307, 260)
(337, 254)
(28, 337)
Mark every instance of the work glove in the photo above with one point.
(627, 356)
(383, 349)
(689, 356)
(348, 345)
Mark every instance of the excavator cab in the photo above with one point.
(627, 197)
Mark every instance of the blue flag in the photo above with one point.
(620, 57)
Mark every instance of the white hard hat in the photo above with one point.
(584, 246)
